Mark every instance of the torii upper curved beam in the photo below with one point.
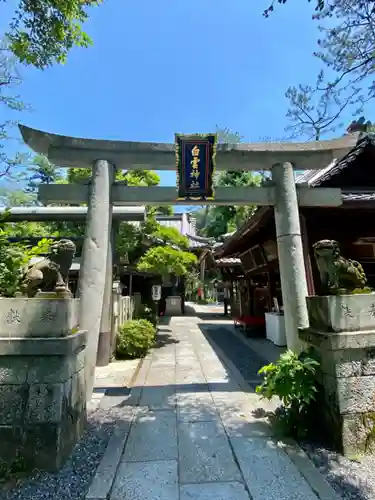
(68, 151)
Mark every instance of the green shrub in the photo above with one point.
(293, 379)
(135, 338)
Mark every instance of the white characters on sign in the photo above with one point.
(156, 292)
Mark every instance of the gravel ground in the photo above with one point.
(351, 479)
(73, 480)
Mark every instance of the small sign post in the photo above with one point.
(156, 293)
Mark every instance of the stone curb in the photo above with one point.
(106, 472)
(315, 480)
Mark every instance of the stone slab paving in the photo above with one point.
(214, 491)
(193, 432)
(153, 436)
(116, 375)
(146, 481)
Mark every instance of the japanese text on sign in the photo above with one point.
(195, 168)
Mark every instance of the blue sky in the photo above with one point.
(162, 67)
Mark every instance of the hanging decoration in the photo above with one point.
(195, 163)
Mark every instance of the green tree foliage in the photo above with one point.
(314, 110)
(192, 283)
(19, 198)
(42, 32)
(347, 42)
(42, 171)
(80, 175)
(10, 103)
(228, 136)
(13, 259)
(171, 258)
(346, 47)
(29, 229)
(319, 5)
(225, 219)
(10, 197)
(171, 236)
(134, 240)
(160, 209)
(138, 177)
(128, 178)
(165, 260)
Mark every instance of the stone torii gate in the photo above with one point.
(103, 157)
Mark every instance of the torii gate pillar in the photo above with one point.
(290, 250)
(92, 280)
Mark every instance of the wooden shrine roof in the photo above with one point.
(347, 173)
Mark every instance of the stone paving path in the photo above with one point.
(187, 430)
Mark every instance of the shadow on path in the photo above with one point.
(163, 338)
(245, 359)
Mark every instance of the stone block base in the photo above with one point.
(42, 399)
(358, 433)
(347, 378)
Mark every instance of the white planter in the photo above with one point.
(275, 328)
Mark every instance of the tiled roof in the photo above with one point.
(317, 177)
(196, 241)
(314, 178)
(231, 261)
(200, 239)
(359, 196)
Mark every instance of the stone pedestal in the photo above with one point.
(342, 330)
(42, 381)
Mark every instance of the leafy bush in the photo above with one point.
(293, 379)
(135, 338)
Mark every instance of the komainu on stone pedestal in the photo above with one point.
(338, 274)
(342, 331)
(51, 273)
